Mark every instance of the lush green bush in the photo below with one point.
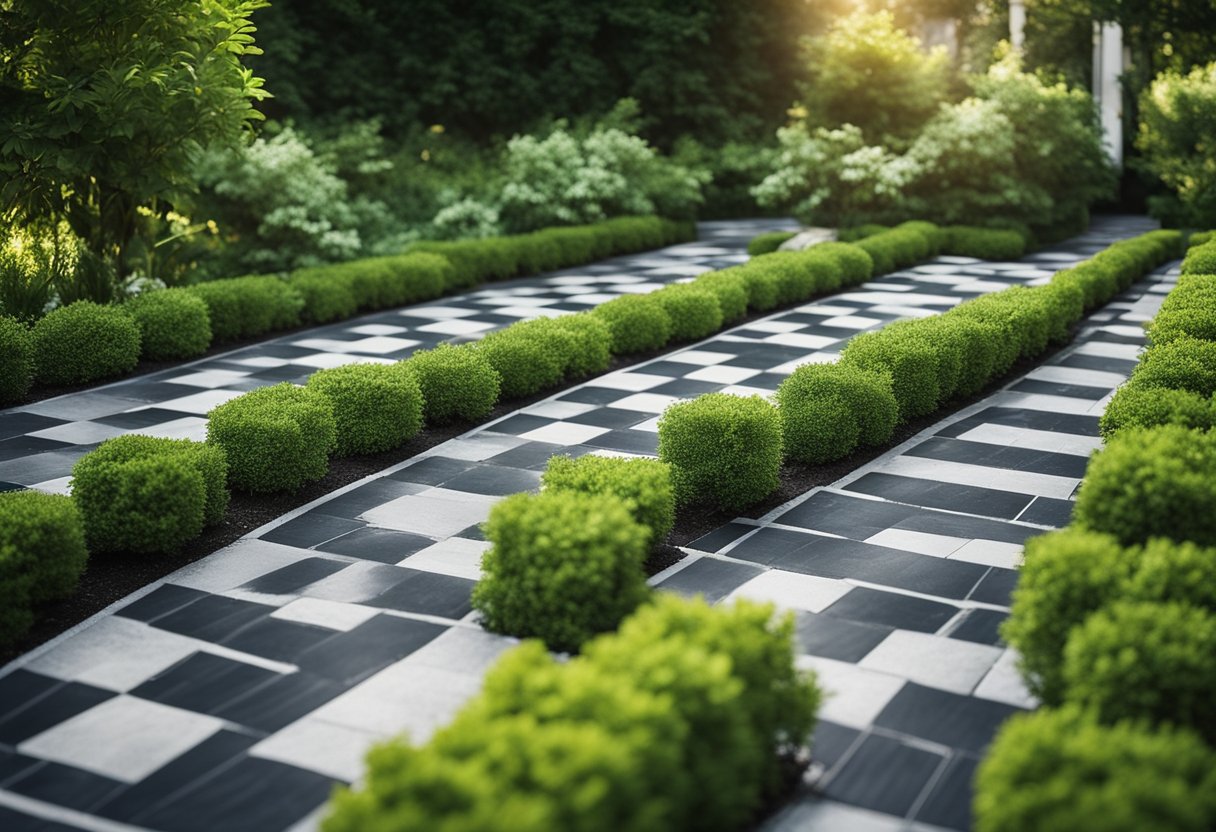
(1145, 407)
(1181, 364)
(83, 342)
(909, 359)
(1060, 769)
(1200, 259)
(148, 494)
(1156, 482)
(854, 264)
(984, 243)
(768, 241)
(763, 283)
(525, 361)
(459, 384)
(1177, 120)
(385, 282)
(326, 297)
(244, 307)
(17, 362)
(376, 407)
(730, 288)
(563, 567)
(1189, 311)
(1198, 238)
(723, 450)
(42, 555)
(694, 311)
(277, 438)
(639, 323)
(172, 324)
(796, 275)
(644, 485)
(586, 340)
(1149, 661)
(828, 409)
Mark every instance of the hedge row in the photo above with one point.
(768, 242)
(1115, 617)
(42, 555)
(677, 721)
(957, 240)
(85, 342)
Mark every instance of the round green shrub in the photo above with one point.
(731, 291)
(763, 283)
(1183, 364)
(909, 359)
(83, 342)
(376, 407)
(1060, 769)
(459, 384)
(1147, 661)
(644, 485)
(47, 536)
(327, 297)
(723, 450)
(1155, 482)
(881, 252)
(16, 360)
(148, 494)
(694, 312)
(1200, 259)
(1195, 322)
(277, 438)
(827, 409)
(588, 342)
(525, 363)
(768, 241)
(1133, 406)
(16, 614)
(563, 566)
(244, 307)
(796, 275)
(173, 323)
(853, 263)
(639, 323)
(1198, 238)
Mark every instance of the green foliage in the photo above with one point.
(326, 298)
(828, 409)
(983, 243)
(42, 536)
(376, 407)
(1181, 364)
(694, 311)
(586, 342)
(868, 72)
(1061, 769)
(459, 384)
(173, 323)
(1177, 122)
(855, 265)
(643, 485)
(17, 363)
(277, 438)
(1198, 238)
(768, 241)
(563, 566)
(1146, 661)
(101, 123)
(1145, 407)
(910, 360)
(524, 362)
(1189, 310)
(385, 282)
(1156, 482)
(1200, 259)
(84, 342)
(730, 288)
(148, 494)
(723, 450)
(244, 307)
(639, 323)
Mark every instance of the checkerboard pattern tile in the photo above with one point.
(234, 693)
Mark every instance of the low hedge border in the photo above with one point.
(1115, 617)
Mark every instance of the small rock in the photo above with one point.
(808, 238)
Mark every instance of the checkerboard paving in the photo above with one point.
(40, 442)
(234, 693)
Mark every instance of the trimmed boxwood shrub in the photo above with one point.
(244, 307)
(84, 341)
(173, 323)
(1155, 482)
(723, 450)
(587, 342)
(639, 323)
(1200, 237)
(1182, 364)
(563, 566)
(395, 280)
(277, 438)
(763, 283)
(730, 289)
(644, 485)
(1195, 322)
(148, 494)
(982, 243)
(327, 297)
(1146, 661)
(911, 361)
(459, 384)
(42, 555)
(376, 407)
(1133, 406)
(16, 359)
(694, 311)
(524, 360)
(1200, 259)
(828, 409)
(768, 241)
(1060, 769)
(854, 264)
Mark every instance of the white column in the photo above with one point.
(1108, 95)
(1017, 24)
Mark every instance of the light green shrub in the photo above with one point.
(17, 364)
(639, 323)
(376, 407)
(1133, 406)
(459, 384)
(83, 342)
(828, 409)
(172, 324)
(524, 362)
(244, 307)
(44, 539)
(644, 485)
(768, 241)
(694, 312)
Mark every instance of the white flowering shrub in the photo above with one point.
(465, 219)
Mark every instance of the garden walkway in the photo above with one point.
(232, 694)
